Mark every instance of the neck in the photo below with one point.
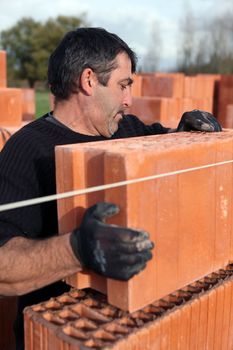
(70, 114)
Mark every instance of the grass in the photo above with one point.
(42, 102)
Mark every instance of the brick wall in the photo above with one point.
(175, 94)
(17, 106)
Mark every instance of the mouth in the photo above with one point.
(118, 116)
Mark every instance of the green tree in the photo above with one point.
(29, 44)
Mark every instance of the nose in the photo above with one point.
(127, 100)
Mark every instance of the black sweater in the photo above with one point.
(27, 170)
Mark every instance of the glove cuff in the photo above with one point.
(75, 243)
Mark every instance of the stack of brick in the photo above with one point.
(10, 121)
(196, 317)
(164, 97)
(11, 105)
(188, 215)
(225, 98)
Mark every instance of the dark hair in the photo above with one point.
(82, 48)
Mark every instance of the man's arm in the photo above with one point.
(109, 250)
(28, 265)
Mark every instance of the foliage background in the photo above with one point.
(29, 44)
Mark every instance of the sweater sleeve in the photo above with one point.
(20, 180)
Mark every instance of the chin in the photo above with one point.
(112, 129)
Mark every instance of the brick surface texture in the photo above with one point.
(188, 215)
(196, 317)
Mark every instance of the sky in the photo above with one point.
(133, 20)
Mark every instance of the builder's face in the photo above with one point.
(113, 100)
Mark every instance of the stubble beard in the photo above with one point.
(112, 121)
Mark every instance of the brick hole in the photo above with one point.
(223, 273)
(166, 305)
(155, 310)
(210, 281)
(85, 325)
(128, 322)
(91, 302)
(93, 344)
(77, 294)
(116, 329)
(74, 333)
(68, 315)
(141, 317)
(88, 313)
(185, 295)
(193, 289)
(52, 305)
(175, 299)
(215, 275)
(66, 300)
(48, 316)
(38, 308)
(108, 311)
(201, 284)
(230, 267)
(104, 336)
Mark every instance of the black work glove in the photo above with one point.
(198, 120)
(112, 251)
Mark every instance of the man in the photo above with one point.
(90, 74)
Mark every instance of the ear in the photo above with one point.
(88, 80)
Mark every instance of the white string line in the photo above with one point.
(73, 193)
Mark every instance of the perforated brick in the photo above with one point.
(188, 215)
(196, 317)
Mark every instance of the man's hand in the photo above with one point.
(198, 120)
(112, 251)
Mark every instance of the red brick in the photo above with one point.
(185, 239)
(28, 104)
(230, 307)
(225, 97)
(211, 319)
(218, 329)
(195, 196)
(136, 88)
(150, 109)
(203, 321)
(155, 86)
(194, 323)
(154, 335)
(185, 104)
(10, 107)
(3, 75)
(229, 116)
(175, 329)
(224, 205)
(226, 314)
(78, 320)
(6, 132)
(177, 83)
(165, 333)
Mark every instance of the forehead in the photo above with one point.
(124, 66)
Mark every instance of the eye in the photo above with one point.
(123, 87)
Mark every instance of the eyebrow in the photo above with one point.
(129, 81)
